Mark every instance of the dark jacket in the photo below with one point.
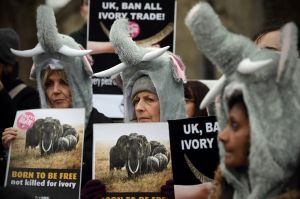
(95, 117)
(26, 98)
(8, 112)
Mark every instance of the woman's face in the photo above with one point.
(147, 107)
(270, 40)
(57, 91)
(190, 107)
(235, 138)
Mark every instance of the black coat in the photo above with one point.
(7, 116)
(95, 117)
(25, 98)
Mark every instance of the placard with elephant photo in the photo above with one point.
(45, 158)
(132, 159)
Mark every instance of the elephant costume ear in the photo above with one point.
(178, 68)
(289, 49)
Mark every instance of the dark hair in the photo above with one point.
(47, 72)
(269, 26)
(196, 91)
(273, 25)
(237, 99)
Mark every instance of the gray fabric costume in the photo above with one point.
(269, 83)
(165, 70)
(59, 51)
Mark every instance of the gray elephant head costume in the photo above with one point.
(58, 51)
(165, 70)
(269, 83)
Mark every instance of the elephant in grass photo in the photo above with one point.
(138, 150)
(32, 137)
(50, 131)
(51, 136)
(159, 157)
(138, 155)
(118, 153)
(69, 139)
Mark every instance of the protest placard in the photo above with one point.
(132, 159)
(194, 149)
(45, 158)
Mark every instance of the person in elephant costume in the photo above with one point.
(155, 70)
(269, 84)
(152, 81)
(141, 73)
